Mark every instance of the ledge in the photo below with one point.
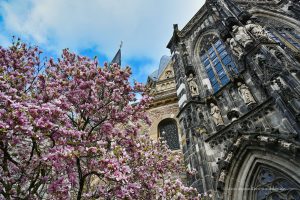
(245, 116)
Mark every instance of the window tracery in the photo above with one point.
(218, 64)
(169, 132)
(272, 185)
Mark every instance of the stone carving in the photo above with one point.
(202, 130)
(238, 142)
(235, 48)
(241, 36)
(229, 156)
(222, 176)
(284, 144)
(216, 114)
(280, 56)
(260, 59)
(256, 30)
(263, 138)
(193, 85)
(168, 74)
(245, 93)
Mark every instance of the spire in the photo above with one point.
(117, 58)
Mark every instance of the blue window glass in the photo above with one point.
(273, 37)
(213, 80)
(221, 48)
(215, 71)
(226, 60)
(221, 73)
(290, 40)
(211, 73)
(218, 43)
(215, 61)
(203, 58)
(216, 87)
(219, 67)
(224, 80)
(213, 56)
(223, 54)
(211, 50)
(296, 35)
(208, 67)
(206, 62)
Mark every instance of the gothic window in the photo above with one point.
(274, 38)
(291, 37)
(218, 65)
(270, 185)
(167, 130)
(285, 37)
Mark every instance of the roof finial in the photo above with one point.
(121, 44)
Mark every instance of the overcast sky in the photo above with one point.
(96, 27)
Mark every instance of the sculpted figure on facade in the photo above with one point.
(260, 59)
(216, 114)
(193, 85)
(235, 48)
(222, 176)
(229, 156)
(241, 36)
(256, 30)
(245, 93)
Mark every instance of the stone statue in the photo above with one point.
(229, 156)
(235, 48)
(280, 56)
(216, 114)
(256, 30)
(193, 85)
(222, 176)
(260, 59)
(241, 36)
(168, 74)
(245, 93)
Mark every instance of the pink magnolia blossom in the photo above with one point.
(68, 130)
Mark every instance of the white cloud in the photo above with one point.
(145, 26)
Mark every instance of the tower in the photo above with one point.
(236, 66)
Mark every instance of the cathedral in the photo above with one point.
(228, 97)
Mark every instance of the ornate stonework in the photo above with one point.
(240, 117)
(165, 104)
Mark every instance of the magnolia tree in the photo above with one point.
(68, 130)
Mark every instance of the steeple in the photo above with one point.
(117, 59)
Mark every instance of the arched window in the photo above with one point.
(285, 36)
(218, 64)
(281, 32)
(167, 129)
(272, 184)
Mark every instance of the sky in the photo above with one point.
(97, 27)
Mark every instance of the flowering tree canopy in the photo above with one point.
(69, 131)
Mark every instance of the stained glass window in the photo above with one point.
(169, 132)
(271, 184)
(218, 64)
(285, 36)
(291, 38)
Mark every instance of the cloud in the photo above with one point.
(145, 26)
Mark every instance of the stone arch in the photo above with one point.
(195, 52)
(239, 178)
(276, 21)
(198, 43)
(283, 19)
(160, 113)
(168, 130)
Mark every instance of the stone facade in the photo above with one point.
(240, 127)
(164, 108)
